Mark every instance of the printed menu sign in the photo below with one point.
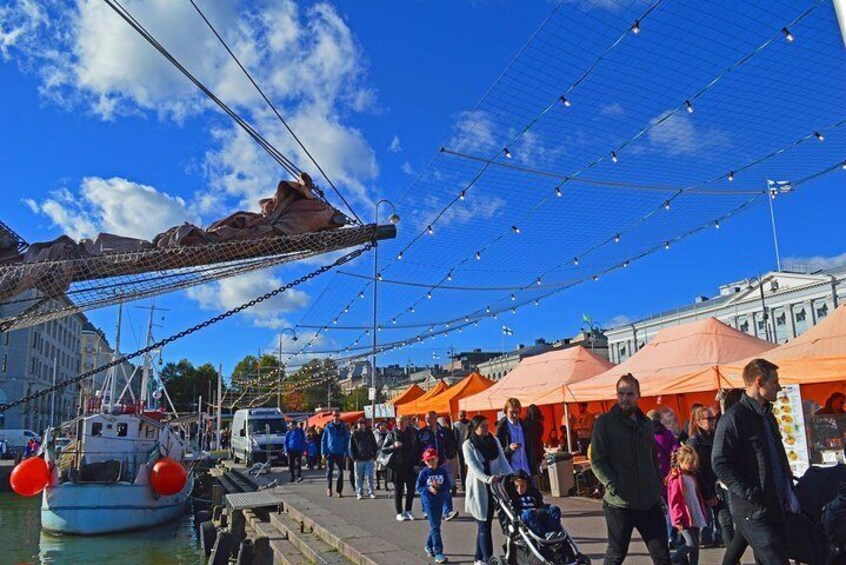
(788, 412)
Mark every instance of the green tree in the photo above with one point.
(185, 383)
(356, 399)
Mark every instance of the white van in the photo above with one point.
(16, 439)
(258, 433)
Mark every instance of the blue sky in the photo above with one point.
(100, 134)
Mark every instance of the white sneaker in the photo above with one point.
(372, 495)
(358, 497)
(409, 516)
(450, 515)
(401, 517)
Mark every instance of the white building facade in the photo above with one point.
(777, 307)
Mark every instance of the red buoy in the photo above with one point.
(30, 476)
(167, 477)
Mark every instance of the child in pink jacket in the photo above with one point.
(684, 498)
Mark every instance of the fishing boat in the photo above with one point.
(126, 467)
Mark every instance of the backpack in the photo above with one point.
(834, 521)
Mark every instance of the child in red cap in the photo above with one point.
(433, 486)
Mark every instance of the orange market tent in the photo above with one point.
(411, 408)
(816, 359)
(411, 393)
(679, 360)
(320, 420)
(539, 377)
(447, 401)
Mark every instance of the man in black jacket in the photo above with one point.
(749, 458)
(363, 453)
(400, 446)
(517, 440)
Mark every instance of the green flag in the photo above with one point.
(586, 319)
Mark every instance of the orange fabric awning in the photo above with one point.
(320, 420)
(411, 408)
(539, 379)
(447, 401)
(411, 393)
(817, 356)
(680, 359)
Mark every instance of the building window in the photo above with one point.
(800, 315)
(781, 319)
(622, 351)
(761, 325)
(822, 311)
(744, 327)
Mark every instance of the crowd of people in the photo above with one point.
(721, 479)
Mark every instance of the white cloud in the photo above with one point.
(113, 205)
(474, 131)
(678, 135)
(813, 263)
(617, 322)
(305, 58)
(229, 293)
(395, 146)
(407, 168)
(612, 109)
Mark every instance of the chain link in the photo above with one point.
(202, 325)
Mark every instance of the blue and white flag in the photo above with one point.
(779, 186)
(507, 331)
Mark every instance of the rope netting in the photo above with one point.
(596, 148)
(57, 288)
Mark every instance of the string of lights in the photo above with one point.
(499, 179)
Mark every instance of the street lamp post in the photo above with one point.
(766, 315)
(394, 219)
(279, 368)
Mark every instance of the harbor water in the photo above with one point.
(22, 541)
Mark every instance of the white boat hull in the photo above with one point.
(89, 509)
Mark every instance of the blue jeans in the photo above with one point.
(363, 469)
(434, 512)
(542, 520)
(448, 500)
(484, 538)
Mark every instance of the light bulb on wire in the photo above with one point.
(717, 224)
(507, 153)
(478, 256)
(538, 281)
(787, 35)
(819, 136)
(462, 195)
(667, 245)
(449, 276)
(636, 27)
(399, 256)
(515, 229)
(430, 230)
(558, 191)
(614, 157)
(617, 238)
(429, 295)
(688, 106)
(513, 297)
(576, 261)
(565, 101)
(666, 204)
(731, 176)
(411, 309)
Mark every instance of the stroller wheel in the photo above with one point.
(497, 560)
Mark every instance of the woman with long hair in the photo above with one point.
(703, 424)
(486, 464)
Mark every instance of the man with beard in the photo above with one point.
(623, 459)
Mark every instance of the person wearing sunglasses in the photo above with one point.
(703, 422)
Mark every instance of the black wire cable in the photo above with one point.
(275, 111)
(283, 161)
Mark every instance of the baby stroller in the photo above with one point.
(807, 540)
(524, 547)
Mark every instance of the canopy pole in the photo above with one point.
(569, 431)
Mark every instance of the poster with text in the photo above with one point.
(787, 410)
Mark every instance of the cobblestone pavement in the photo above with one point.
(583, 518)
